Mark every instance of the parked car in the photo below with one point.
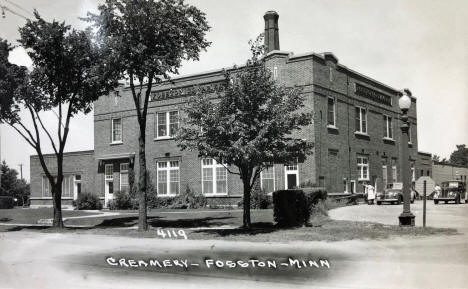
(394, 194)
(452, 191)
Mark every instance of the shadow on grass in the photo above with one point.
(257, 228)
(5, 219)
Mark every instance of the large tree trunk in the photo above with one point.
(57, 200)
(142, 213)
(246, 217)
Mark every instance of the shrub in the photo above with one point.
(88, 201)
(258, 200)
(294, 207)
(7, 202)
(188, 200)
(121, 201)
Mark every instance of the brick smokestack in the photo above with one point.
(271, 31)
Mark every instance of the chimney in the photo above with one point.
(271, 31)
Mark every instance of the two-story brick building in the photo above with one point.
(355, 129)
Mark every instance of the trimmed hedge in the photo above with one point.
(7, 202)
(88, 201)
(293, 208)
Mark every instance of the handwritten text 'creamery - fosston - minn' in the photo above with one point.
(216, 263)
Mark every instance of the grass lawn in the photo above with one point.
(31, 216)
(224, 225)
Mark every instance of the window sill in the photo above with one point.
(163, 138)
(215, 195)
(329, 126)
(361, 133)
(363, 180)
(167, 196)
(116, 143)
(388, 140)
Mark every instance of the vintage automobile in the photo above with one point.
(393, 194)
(451, 191)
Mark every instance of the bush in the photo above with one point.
(258, 200)
(294, 207)
(7, 202)
(121, 201)
(88, 201)
(189, 200)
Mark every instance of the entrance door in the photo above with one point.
(291, 173)
(109, 192)
(108, 184)
(291, 180)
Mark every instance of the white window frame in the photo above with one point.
(108, 177)
(361, 126)
(334, 112)
(361, 165)
(214, 165)
(384, 176)
(262, 177)
(170, 166)
(120, 175)
(388, 127)
(114, 141)
(168, 124)
(46, 192)
(409, 136)
(275, 72)
(352, 184)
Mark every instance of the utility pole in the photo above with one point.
(21, 170)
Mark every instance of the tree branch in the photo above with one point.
(43, 127)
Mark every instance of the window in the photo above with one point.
(116, 130)
(168, 178)
(46, 188)
(394, 171)
(67, 187)
(167, 124)
(413, 172)
(331, 118)
(275, 72)
(214, 177)
(409, 135)
(384, 176)
(363, 168)
(109, 172)
(388, 127)
(352, 184)
(267, 179)
(124, 177)
(330, 74)
(361, 120)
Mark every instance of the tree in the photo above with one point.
(10, 185)
(460, 156)
(250, 126)
(436, 158)
(147, 40)
(67, 76)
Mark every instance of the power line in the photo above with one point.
(19, 7)
(5, 8)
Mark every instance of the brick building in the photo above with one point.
(355, 130)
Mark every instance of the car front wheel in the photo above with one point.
(399, 201)
(436, 202)
(379, 203)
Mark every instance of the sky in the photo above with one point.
(420, 44)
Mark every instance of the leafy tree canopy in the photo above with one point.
(460, 156)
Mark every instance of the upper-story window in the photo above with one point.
(363, 167)
(116, 130)
(331, 112)
(388, 127)
(361, 120)
(167, 124)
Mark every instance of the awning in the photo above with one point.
(130, 156)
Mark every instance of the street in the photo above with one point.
(30, 259)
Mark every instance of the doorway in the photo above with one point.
(291, 176)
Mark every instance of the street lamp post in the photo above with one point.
(406, 218)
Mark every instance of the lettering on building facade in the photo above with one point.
(373, 95)
(184, 91)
